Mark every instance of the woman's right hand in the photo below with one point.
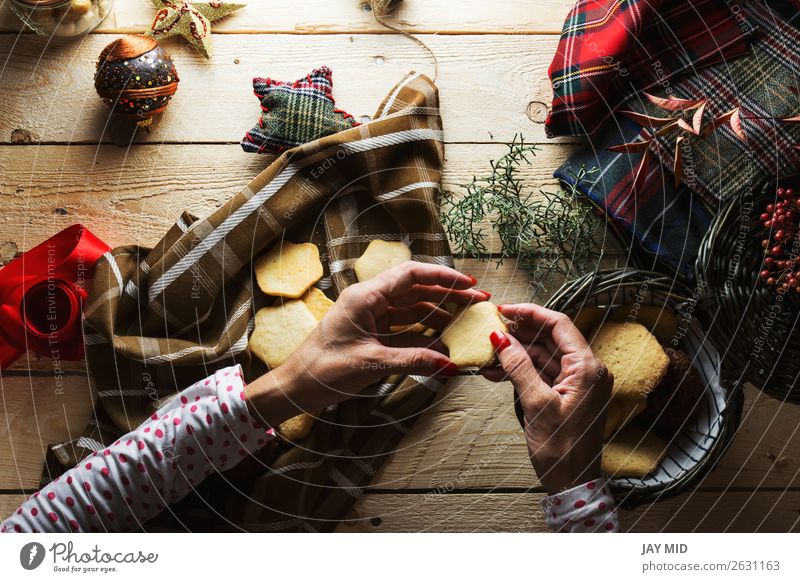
(563, 388)
(353, 346)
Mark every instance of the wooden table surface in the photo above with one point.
(464, 466)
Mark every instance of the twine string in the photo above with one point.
(382, 8)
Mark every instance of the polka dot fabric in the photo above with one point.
(582, 509)
(205, 428)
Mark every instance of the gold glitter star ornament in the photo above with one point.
(191, 20)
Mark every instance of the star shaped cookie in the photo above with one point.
(191, 20)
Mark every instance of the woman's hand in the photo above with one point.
(563, 389)
(353, 346)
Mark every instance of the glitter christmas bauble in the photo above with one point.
(136, 78)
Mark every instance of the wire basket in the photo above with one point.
(754, 323)
(697, 448)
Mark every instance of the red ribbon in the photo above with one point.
(42, 293)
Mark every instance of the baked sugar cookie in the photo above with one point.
(660, 321)
(633, 355)
(620, 412)
(467, 336)
(297, 427)
(411, 328)
(379, 257)
(633, 452)
(280, 330)
(289, 269)
(317, 302)
(588, 318)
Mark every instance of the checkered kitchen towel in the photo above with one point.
(612, 49)
(161, 318)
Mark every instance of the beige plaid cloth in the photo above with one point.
(159, 319)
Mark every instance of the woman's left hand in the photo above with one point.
(353, 346)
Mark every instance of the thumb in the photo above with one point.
(418, 361)
(519, 369)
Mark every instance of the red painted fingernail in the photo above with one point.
(449, 369)
(488, 295)
(473, 279)
(499, 340)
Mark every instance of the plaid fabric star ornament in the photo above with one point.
(191, 20)
(295, 113)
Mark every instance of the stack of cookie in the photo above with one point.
(656, 390)
(288, 271)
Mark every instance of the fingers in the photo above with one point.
(402, 278)
(519, 368)
(428, 314)
(437, 294)
(412, 340)
(566, 336)
(526, 332)
(497, 374)
(545, 359)
(417, 361)
(547, 362)
(530, 334)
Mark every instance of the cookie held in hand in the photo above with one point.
(467, 336)
(280, 330)
(633, 356)
(381, 256)
(288, 269)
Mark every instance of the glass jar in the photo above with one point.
(62, 17)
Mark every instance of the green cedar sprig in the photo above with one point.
(549, 234)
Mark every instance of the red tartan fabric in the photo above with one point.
(612, 49)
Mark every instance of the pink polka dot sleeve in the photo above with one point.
(585, 508)
(205, 428)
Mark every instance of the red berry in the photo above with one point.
(776, 251)
(771, 281)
